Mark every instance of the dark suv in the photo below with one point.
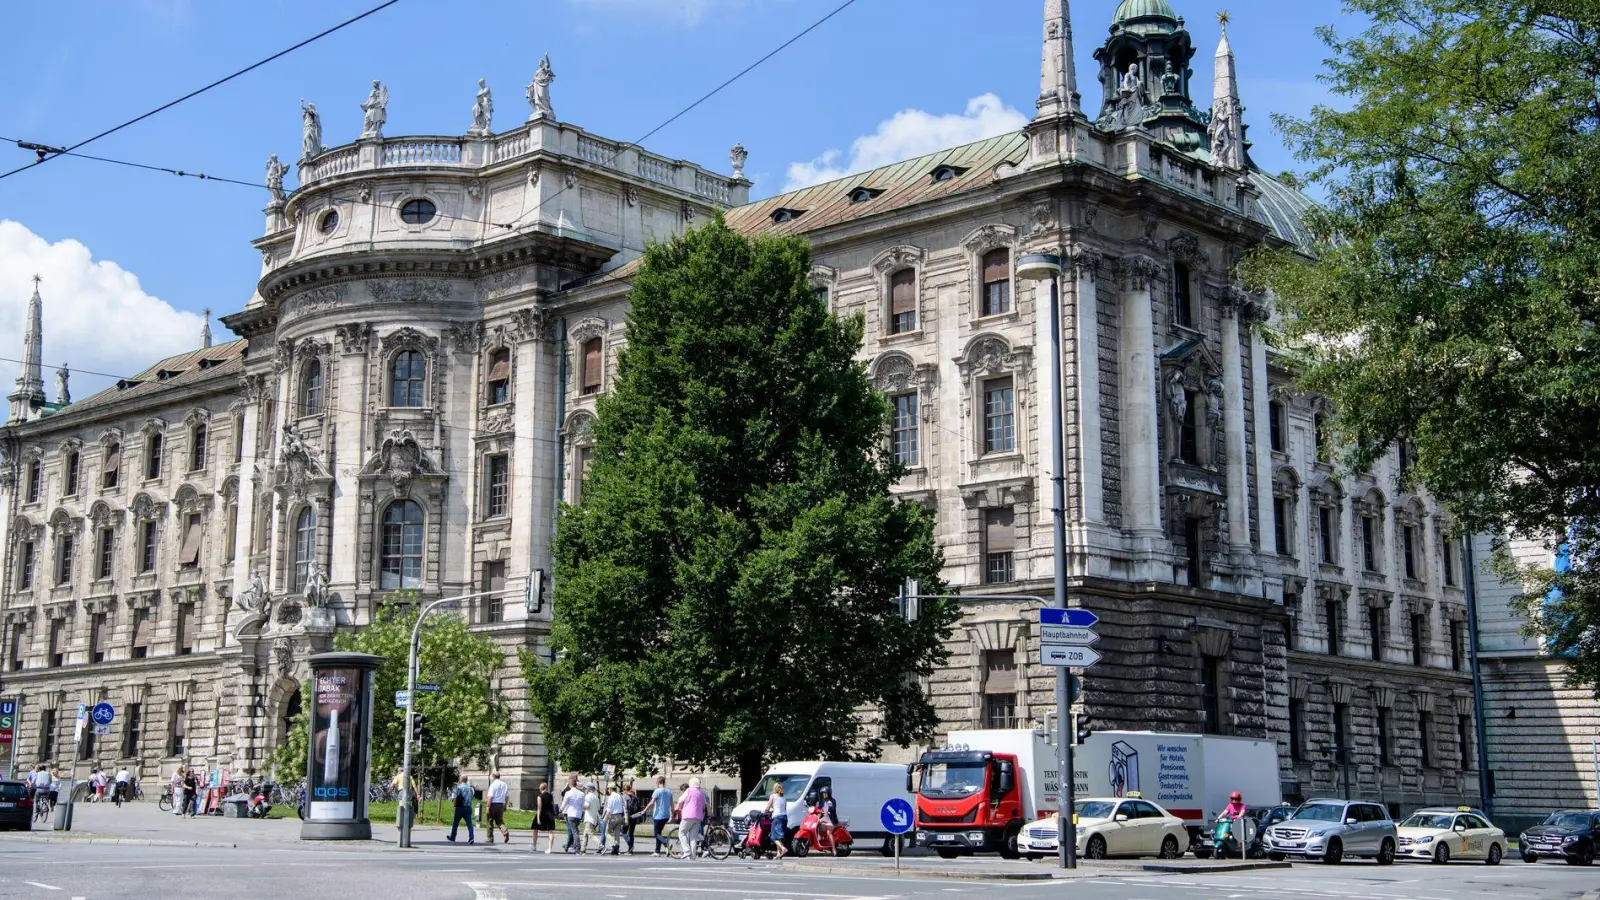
(16, 805)
(1572, 834)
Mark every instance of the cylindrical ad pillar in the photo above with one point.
(339, 747)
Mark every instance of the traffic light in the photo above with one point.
(1083, 725)
(533, 592)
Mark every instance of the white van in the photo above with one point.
(859, 790)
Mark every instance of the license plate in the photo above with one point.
(5, 805)
(945, 838)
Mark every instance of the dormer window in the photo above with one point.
(863, 194)
(784, 214)
(946, 173)
(164, 374)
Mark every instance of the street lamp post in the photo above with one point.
(1047, 267)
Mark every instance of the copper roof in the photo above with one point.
(184, 370)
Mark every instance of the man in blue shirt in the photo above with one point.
(661, 812)
(463, 811)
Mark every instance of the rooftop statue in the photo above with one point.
(538, 91)
(375, 107)
(311, 132)
(275, 173)
(482, 112)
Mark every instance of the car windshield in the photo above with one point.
(953, 779)
(13, 791)
(1568, 819)
(1092, 809)
(1320, 812)
(1435, 821)
(792, 786)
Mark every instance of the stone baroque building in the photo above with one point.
(416, 378)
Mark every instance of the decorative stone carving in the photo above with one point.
(585, 329)
(1340, 690)
(282, 356)
(1186, 249)
(988, 237)
(424, 291)
(533, 175)
(298, 469)
(475, 189)
(579, 426)
(410, 339)
(991, 355)
(466, 336)
(633, 195)
(688, 213)
(190, 500)
(898, 257)
(288, 613)
(530, 324)
(738, 156)
(572, 179)
(1085, 262)
(146, 507)
(253, 387)
(316, 592)
(1212, 639)
(283, 654)
(400, 459)
(1042, 215)
(1140, 272)
(354, 337)
(103, 515)
(254, 598)
(364, 191)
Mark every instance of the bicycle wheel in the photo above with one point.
(719, 842)
(41, 810)
(165, 803)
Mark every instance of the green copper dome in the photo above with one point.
(1128, 10)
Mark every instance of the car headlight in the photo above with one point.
(1425, 840)
(975, 836)
(1571, 839)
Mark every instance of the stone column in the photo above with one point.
(351, 346)
(1085, 271)
(1260, 395)
(1233, 432)
(1141, 452)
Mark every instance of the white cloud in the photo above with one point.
(96, 316)
(909, 133)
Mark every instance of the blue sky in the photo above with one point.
(130, 256)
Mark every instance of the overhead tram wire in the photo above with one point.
(48, 153)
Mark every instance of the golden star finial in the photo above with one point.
(1223, 17)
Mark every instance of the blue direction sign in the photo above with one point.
(897, 816)
(103, 713)
(1080, 618)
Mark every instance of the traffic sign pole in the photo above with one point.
(898, 817)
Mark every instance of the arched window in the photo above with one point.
(996, 282)
(305, 549)
(407, 376)
(593, 365)
(499, 376)
(903, 301)
(401, 561)
(311, 388)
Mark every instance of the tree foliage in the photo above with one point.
(468, 714)
(1452, 300)
(287, 761)
(725, 590)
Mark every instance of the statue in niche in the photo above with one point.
(1169, 80)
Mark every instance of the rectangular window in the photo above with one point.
(999, 545)
(1275, 425)
(585, 459)
(1194, 543)
(152, 458)
(1419, 639)
(497, 475)
(230, 539)
(25, 567)
(189, 553)
(58, 642)
(594, 369)
(238, 438)
(47, 734)
(903, 301)
(999, 416)
(147, 546)
(1319, 437)
(1211, 694)
(1332, 611)
(500, 377)
(1369, 544)
(1458, 646)
(1376, 620)
(104, 552)
(99, 637)
(494, 580)
(1464, 741)
(132, 722)
(1325, 534)
(1297, 738)
(66, 548)
(186, 628)
(113, 463)
(70, 485)
(141, 634)
(176, 726)
(903, 431)
(996, 282)
(1189, 429)
(1408, 537)
(1280, 525)
(1182, 299)
(1447, 558)
(35, 480)
(1383, 738)
(1425, 738)
(197, 448)
(1000, 686)
(14, 647)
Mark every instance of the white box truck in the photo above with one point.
(975, 794)
(859, 789)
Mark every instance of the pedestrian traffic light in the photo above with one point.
(533, 592)
(1083, 726)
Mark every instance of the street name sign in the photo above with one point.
(1067, 635)
(1062, 655)
(1078, 618)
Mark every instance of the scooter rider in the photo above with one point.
(1235, 808)
(827, 815)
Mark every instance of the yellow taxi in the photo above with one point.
(1441, 834)
(1111, 826)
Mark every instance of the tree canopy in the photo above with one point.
(1453, 295)
(726, 585)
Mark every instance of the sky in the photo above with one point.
(130, 258)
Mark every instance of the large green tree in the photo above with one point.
(1453, 296)
(464, 718)
(725, 589)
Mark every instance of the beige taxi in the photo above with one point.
(1442, 834)
(1111, 826)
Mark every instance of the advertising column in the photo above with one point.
(339, 745)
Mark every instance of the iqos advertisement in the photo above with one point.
(338, 744)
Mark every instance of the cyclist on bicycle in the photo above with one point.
(40, 782)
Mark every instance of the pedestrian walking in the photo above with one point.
(572, 813)
(591, 817)
(693, 814)
(635, 813)
(463, 811)
(544, 817)
(497, 795)
(177, 791)
(55, 787)
(661, 812)
(120, 792)
(191, 793)
(778, 809)
(616, 820)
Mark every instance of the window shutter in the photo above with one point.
(141, 629)
(500, 370)
(1000, 672)
(903, 292)
(999, 534)
(997, 266)
(113, 457)
(191, 544)
(592, 364)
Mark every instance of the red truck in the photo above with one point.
(974, 795)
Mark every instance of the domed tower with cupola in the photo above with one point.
(1145, 74)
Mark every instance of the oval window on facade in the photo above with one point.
(328, 222)
(418, 212)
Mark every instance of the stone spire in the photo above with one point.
(1058, 74)
(29, 394)
(205, 329)
(1227, 114)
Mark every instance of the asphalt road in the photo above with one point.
(63, 870)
